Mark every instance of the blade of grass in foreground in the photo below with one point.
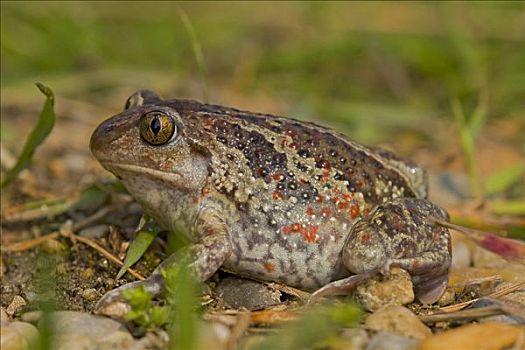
(182, 297)
(197, 51)
(38, 135)
(46, 284)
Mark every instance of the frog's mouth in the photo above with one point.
(118, 168)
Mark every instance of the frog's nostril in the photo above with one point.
(99, 137)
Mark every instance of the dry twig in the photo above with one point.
(69, 233)
(499, 293)
(462, 315)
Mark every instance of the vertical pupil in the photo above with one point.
(155, 125)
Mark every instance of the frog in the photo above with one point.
(273, 198)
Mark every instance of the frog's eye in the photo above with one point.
(157, 128)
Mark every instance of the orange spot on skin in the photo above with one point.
(277, 195)
(347, 197)
(166, 166)
(365, 238)
(354, 211)
(269, 267)
(319, 199)
(296, 227)
(286, 229)
(208, 124)
(326, 212)
(310, 211)
(205, 191)
(342, 205)
(278, 177)
(325, 176)
(309, 233)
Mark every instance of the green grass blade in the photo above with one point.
(38, 135)
(181, 295)
(137, 249)
(197, 51)
(501, 180)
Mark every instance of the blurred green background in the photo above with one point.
(370, 68)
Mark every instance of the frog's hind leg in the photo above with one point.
(428, 289)
(398, 234)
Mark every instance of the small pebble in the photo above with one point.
(96, 231)
(16, 304)
(213, 335)
(90, 294)
(3, 267)
(31, 316)
(396, 289)
(31, 296)
(87, 273)
(79, 331)
(398, 319)
(461, 256)
(18, 336)
(391, 341)
(53, 246)
(240, 293)
(355, 338)
(3, 315)
(484, 336)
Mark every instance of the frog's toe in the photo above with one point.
(113, 303)
(340, 287)
(430, 290)
(112, 307)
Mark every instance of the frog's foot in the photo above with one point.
(386, 267)
(341, 287)
(429, 291)
(113, 303)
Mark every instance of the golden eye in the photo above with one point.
(157, 128)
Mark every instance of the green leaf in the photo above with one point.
(508, 207)
(139, 298)
(501, 180)
(181, 295)
(160, 315)
(38, 135)
(137, 249)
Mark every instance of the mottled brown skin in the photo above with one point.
(274, 198)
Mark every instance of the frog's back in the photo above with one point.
(294, 189)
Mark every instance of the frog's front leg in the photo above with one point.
(398, 234)
(203, 258)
